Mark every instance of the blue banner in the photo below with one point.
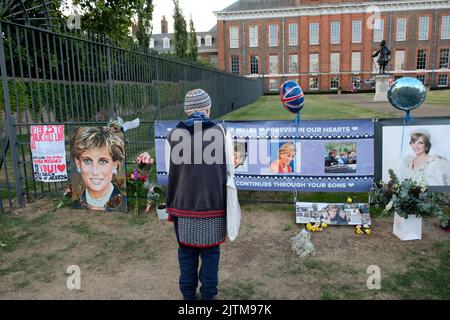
(313, 156)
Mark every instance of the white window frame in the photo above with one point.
(400, 34)
(338, 83)
(314, 30)
(445, 28)
(238, 64)
(199, 41)
(335, 32)
(439, 80)
(273, 64)
(234, 37)
(257, 64)
(291, 58)
(318, 83)
(253, 36)
(293, 34)
(314, 63)
(166, 43)
(424, 25)
(335, 62)
(273, 35)
(152, 43)
(426, 59)
(273, 85)
(378, 30)
(356, 61)
(400, 60)
(356, 31)
(208, 40)
(447, 58)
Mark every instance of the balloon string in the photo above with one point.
(297, 118)
(297, 124)
(408, 119)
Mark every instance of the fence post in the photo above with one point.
(10, 125)
(110, 83)
(158, 91)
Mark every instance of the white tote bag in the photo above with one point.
(233, 207)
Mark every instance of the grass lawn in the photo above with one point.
(438, 98)
(134, 257)
(316, 107)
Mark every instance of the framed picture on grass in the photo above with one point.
(333, 213)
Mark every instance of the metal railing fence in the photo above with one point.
(53, 78)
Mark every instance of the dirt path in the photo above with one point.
(122, 257)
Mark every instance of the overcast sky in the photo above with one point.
(201, 10)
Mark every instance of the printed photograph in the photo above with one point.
(340, 157)
(240, 156)
(333, 213)
(285, 157)
(422, 154)
(98, 154)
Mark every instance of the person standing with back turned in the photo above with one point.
(196, 195)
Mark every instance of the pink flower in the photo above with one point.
(144, 160)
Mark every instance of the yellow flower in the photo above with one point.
(358, 230)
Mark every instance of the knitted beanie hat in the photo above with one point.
(196, 99)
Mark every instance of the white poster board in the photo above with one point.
(48, 153)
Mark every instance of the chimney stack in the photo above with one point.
(164, 25)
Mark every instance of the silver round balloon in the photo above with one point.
(407, 94)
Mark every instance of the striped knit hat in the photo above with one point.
(196, 99)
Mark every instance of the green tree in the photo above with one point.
(108, 17)
(180, 32)
(145, 27)
(193, 48)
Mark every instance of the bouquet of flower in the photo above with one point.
(144, 161)
(135, 183)
(138, 180)
(404, 198)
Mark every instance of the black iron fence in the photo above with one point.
(51, 78)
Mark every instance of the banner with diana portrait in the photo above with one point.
(313, 156)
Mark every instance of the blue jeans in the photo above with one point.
(188, 258)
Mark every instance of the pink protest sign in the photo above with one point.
(48, 153)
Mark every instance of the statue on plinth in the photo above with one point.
(384, 56)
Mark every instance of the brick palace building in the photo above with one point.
(327, 44)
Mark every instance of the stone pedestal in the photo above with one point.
(381, 87)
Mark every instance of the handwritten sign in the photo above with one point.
(48, 153)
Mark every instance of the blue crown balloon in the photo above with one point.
(292, 96)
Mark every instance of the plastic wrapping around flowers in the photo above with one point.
(292, 98)
(302, 245)
(407, 94)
